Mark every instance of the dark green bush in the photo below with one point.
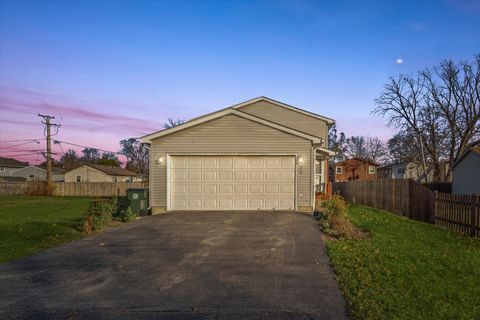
(126, 215)
(99, 215)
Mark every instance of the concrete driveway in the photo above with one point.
(211, 265)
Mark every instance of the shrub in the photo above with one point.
(126, 215)
(333, 219)
(38, 188)
(99, 215)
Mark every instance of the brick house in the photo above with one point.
(354, 169)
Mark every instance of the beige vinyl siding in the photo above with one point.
(288, 118)
(229, 134)
(89, 174)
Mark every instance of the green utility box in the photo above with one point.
(138, 201)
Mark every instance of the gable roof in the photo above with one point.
(110, 170)
(10, 162)
(283, 105)
(475, 150)
(23, 168)
(224, 112)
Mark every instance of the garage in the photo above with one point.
(231, 182)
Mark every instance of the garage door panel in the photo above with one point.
(256, 189)
(256, 175)
(271, 203)
(194, 162)
(210, 203)
(225, 162)
(240, 203)
(210, 162)
(179, 204)
(272, 175)
(210, 190)
(255, 203)
(194, 175)
(210, 175)
(232, 182)
(194, 203)
(225, 175)
(240, 189)
(240, 176)
(225, 204)
(272, 189)
(225, 189)
(193, 190)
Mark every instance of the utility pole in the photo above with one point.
(48, 134)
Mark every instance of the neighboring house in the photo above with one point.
(12, 179)
(31, 173)
(466, 172)
(58, 174)
(257, 155)
(405, 170)
(99, 173)
(355, 169)
(7, 165)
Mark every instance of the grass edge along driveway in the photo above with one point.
(407, 269)
(31, 224)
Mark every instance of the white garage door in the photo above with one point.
(232, 183)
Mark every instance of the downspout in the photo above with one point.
(315, 147)
(147, 145)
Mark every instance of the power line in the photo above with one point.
(20, 140)
(82, 146)
(20, 144)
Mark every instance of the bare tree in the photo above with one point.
(172, 123)
(136, 154)
(440, 107)
(336, 143)
(366, 148)
(403, 147)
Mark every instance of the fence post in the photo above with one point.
(473, 213)
(434, 214)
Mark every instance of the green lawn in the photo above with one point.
(407, 269)
(32, 224)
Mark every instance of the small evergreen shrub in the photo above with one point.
(99, 215)
(127, 215)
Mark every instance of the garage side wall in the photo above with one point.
(229, 135)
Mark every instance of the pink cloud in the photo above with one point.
(98, 126)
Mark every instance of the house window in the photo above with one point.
(2, 169)
(78, 178)
(31, 176)
(338, 170)
(371, 170)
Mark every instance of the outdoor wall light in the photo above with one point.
(160, 160)
(300, 160)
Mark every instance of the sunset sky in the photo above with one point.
(109, 70)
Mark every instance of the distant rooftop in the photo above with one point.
(10, 162)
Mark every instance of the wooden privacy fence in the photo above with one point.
(458, 212)
(410, 199)
(401, 196)
(88, 189)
